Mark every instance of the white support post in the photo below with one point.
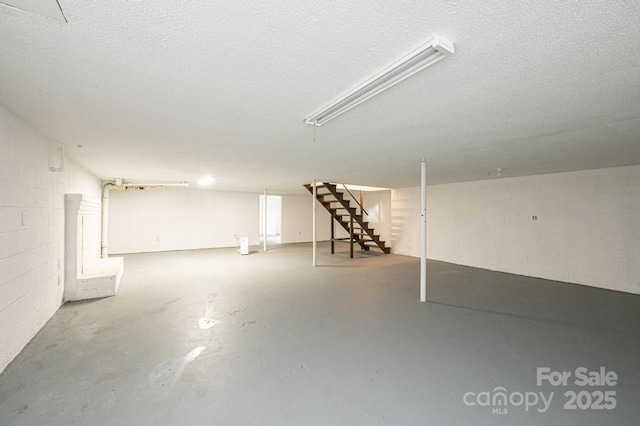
(264, 222)
(423, 212)
(315, 194)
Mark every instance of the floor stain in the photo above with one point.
(165, 306)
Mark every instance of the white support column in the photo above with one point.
(264, 221)
(315, 194)
(423, 212)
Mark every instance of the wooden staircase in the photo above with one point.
(352, 221)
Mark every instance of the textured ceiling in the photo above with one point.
(166, 90)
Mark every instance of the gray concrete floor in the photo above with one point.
(214, 338)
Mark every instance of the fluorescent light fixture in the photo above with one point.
(428, 54)
(207, 180)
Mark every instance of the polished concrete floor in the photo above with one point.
(209, 337)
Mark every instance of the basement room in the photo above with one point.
(319, 213)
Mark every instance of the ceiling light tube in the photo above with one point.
(428, 54)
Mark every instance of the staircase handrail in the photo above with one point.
(354, 199)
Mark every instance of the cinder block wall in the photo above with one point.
(166, 219)
(378, 206)
(297, 224)
(297, 213)
(586, 228)
(31, 231)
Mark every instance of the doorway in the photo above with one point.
(274, 219)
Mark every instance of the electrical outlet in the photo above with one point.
(157, 238)
(534, 217)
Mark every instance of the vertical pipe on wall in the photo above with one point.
(315, 194)
(104, 237)
(264, 221)
(423, 212)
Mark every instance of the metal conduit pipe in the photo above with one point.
(104, 225)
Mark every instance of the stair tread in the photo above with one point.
(363, 235)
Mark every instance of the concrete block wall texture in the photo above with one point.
(31, 230)
(274, 215)
(405, 221)
(297, 224)
(378, 205)
(297, 217)
(166, 219)
(586, 228)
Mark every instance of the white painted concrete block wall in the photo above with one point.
(297, 224)
(587, 229)
(405, 221)
(297, 218)
(378, 205)
(297, 214)
(164, 219)
(31, 231)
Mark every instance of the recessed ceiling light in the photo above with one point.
(207, 180)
